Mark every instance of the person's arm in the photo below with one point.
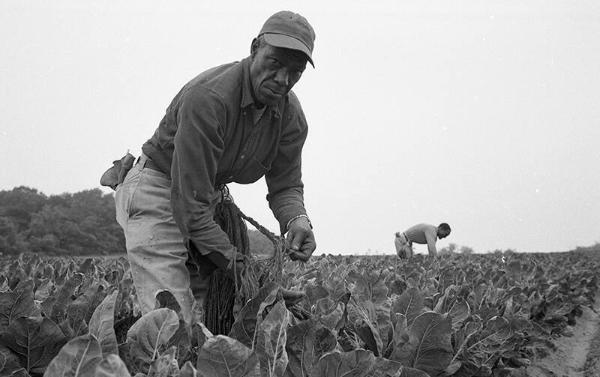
(431, 237)
(286, 190)
(198, 148)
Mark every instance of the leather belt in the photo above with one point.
(148, 163)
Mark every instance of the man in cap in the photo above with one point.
(236, 123)
(422, 234)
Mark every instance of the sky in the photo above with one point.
(481, 114)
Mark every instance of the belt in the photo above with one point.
(148, 163)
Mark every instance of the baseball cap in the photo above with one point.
(289, 30)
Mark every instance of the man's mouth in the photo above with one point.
(274, 92)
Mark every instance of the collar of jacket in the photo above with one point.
(247, 97)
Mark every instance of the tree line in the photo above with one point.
(82, 223)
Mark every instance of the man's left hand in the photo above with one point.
(301, 240)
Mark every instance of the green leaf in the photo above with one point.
(300, 347)
(409, 303)
(459, 312)
(429, 347)
(222, 356)
(78, 358)
(9, 362)
(385, 368)
(34, 340)
(356, 363)
(401, 335)
(243, 329)
(81, 309)
(271, 341)
(55, 306)
(369, 335)
(412, 372)
(329, 312)
(165, 365)
(112, 366)
(102, 324)
(20, 373)
(188, 370)
(314, 292)
(16, 304)
(150, 334)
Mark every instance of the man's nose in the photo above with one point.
(282, 77)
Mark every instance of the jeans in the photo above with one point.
(155, 247)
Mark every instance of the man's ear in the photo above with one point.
(254, 47)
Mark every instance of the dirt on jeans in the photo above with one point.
(578, 351)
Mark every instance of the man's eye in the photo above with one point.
(274, 62)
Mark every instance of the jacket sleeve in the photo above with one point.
(284, 179)
(198, 148)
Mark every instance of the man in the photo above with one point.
(421, 234)
(236, 123)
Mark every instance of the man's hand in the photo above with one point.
(223, 262)
(300, 239)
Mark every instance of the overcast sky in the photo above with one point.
(482, 114)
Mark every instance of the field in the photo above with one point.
(501, 314)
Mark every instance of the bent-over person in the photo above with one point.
(422, 234)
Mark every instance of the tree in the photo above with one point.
(82, 223)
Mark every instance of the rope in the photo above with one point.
(223, 291)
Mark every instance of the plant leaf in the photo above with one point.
(16, 304)
(243, 329)
(300, 348)
(112, 366)
(369, 335)
(34, 340)
(165, 365)
(409, 303)
(459, 312)
(9, 362)
(356, 363)
(78, 358)
(222, 356)
(150, 334)
(102, 324)
(55, 306)
(271, 341)
(188, 370)
(385, 368)
(429, 347)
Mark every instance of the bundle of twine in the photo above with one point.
(225, 290)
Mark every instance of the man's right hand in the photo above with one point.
(301, 240)
(223, 263)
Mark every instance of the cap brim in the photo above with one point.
(284, 41)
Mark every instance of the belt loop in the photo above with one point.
(142, 160)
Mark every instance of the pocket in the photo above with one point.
(124, 195)
(151, 196)
(253, 171)
(265, 166)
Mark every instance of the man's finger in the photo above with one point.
(298, 255)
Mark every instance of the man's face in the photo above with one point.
(274, 71)
(443, 233)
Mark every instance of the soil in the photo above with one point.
(578, 351)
